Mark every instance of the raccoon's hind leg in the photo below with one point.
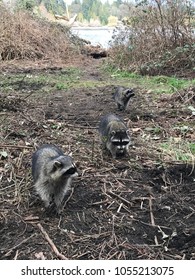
(44, 194)
(51, 208)
(51, 201)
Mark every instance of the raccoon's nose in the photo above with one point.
(71, 171)
(120, 148)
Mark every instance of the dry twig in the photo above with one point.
(51, 243)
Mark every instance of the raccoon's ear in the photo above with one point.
(57, 164)
(70, 154)
(113, 132)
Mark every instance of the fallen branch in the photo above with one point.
(15, 147)
(151, 212)
(53, 246)
(120, 197)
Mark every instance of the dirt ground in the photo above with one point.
(137, 207)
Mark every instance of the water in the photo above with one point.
(96, 35)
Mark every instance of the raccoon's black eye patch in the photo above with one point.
(120, 143)
(116, 143)
(130, 93)
(70, 171)
(125, 143)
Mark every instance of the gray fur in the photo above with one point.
(122, 97)
(114, 135)
(52, 172)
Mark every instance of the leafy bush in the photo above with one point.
(158, 38)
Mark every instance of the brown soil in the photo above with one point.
(138, 207)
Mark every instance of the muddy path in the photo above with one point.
(138, 207)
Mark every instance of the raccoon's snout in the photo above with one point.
(129, 92)
(120, 152)
(121, 149)
(132, 94)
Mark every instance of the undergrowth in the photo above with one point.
(24, 36)
(158, 38)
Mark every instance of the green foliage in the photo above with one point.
(154, 130)
(55, 6)
(179, 151)
(192, 148)
(95, 9)
(173, 82)
(86, 9)
(61, 86)
(45, 82)
(76, 8)
(156, 84)
(77, 2)
(118, 3)
(26, 4)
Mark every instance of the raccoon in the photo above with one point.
(122, 97)
(114, 135)
(52, 172)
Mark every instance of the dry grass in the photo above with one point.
(23, 36)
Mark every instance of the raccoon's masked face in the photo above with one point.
(124, 99)
(120, 142)
(128, 94)
(64, 168)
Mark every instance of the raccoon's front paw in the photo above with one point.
(51, 210)
(51, 207)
